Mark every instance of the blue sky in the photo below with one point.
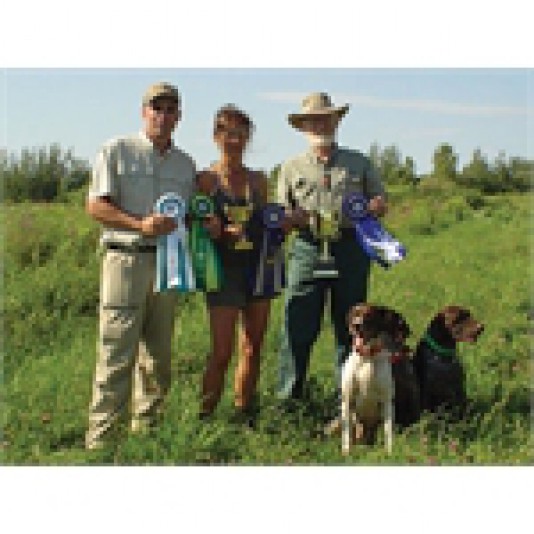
(415, 109)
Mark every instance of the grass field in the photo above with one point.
(464, 248)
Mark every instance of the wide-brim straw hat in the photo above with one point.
(314, 105)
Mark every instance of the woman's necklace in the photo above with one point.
(226, 172)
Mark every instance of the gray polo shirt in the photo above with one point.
(132, 172)
(308, 183)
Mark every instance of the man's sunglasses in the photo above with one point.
(170, 109)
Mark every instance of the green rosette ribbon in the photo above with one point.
(206, 262)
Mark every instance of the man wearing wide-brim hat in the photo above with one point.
(315, 182)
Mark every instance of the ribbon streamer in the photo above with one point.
(267, 277)
(173, 261)
(207, 264)
(377, 243)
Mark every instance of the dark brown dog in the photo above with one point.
(407, 402)
(439, 371)
(407, 394)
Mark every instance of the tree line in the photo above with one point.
(44, 174)
(47, 174)
(498, 176)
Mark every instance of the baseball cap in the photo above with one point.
(161, 90)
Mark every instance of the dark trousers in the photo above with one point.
(304, 304)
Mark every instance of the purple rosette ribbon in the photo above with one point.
(267, 277)
(377, 243)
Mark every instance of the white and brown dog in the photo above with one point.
(367, 385)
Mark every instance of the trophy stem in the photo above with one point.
(326, 231)
(240, 216)
(325, 254)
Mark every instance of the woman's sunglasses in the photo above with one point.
(239, 132)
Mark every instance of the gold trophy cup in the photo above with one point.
(326, 230)
(240, 215)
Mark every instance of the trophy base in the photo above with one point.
(325, 271)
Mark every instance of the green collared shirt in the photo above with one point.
(308, 183)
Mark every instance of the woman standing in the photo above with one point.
(230, 183)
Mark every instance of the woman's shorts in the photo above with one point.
(235, 292)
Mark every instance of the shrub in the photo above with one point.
(42, 174)
(475, 199)
(51, 272)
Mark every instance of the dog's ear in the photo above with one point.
(444, 319)
(395, 323)
(450, 315)
(404, 327)
(355, 317)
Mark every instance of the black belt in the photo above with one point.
(131, 248)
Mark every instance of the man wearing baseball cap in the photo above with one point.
(308, 184)
(135, 326)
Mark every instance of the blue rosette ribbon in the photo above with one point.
(267, 276)
(174, 270)
(377, 243)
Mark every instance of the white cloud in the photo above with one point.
(431, 106)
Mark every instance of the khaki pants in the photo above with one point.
(134, 347)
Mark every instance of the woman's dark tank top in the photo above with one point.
(229, 255)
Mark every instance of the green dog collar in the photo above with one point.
(440, 350)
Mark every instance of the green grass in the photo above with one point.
(474, 252)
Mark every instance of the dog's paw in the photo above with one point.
(358, 433)
(333, 427)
